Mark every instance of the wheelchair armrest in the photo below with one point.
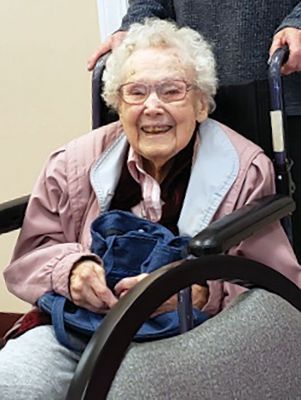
(132, 310)
(12, 214)
(107, 347)
(230, 230)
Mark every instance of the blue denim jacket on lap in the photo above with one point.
(128, 246)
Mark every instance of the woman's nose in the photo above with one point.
(153, 103)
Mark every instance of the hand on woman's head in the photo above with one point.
(110, 44)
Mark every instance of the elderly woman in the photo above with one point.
(166, 162)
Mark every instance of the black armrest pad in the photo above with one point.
(12, 214)
(230, 230)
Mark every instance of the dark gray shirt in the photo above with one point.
(240, 31)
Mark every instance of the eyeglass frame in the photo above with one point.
(150, 88)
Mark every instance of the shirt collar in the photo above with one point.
(134, 164)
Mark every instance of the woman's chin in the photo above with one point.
(157, 154)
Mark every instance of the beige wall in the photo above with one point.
(44, 93)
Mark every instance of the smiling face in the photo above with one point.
(157, 130)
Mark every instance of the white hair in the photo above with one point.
(193, 49)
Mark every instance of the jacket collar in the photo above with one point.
(105, 173)
(215, 168)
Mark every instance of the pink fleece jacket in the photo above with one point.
(56, 228)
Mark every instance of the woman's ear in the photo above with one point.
(201, 109)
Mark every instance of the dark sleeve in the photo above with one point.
(140, 9)
(293, 20)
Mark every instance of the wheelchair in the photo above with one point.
(107, 348)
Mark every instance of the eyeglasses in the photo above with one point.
(168, 91)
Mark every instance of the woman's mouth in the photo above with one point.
(155, 129)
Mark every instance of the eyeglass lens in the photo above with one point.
(167, 91)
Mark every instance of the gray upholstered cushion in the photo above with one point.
(251, 350)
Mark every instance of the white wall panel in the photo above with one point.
(110, 13)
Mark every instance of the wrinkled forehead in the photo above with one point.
(155, 64)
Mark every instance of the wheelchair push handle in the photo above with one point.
(276, 61)
(282, 162)
(277, 113)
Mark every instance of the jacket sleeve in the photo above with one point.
(293, 20)
(139, 10)
(48, 244)
(269, 246)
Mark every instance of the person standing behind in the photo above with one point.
(244, 35)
